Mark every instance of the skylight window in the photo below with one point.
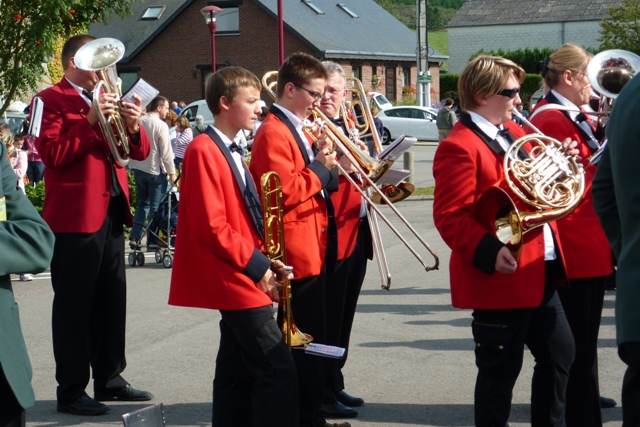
(153, 13)
(313, 7)
(348, 11)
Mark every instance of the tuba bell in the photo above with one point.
(548, 185)
(101, 56)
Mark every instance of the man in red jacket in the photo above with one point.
(514, 301)
(282, 145)
(219, 229)
(86, 204)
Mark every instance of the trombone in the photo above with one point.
(365, 166)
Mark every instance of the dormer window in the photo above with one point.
(153, 13)
(313, 7)
(348, 11)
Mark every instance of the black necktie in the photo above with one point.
(504, 132)
(88, 94)
(338, 121)
(234, 148)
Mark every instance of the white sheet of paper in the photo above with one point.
(144, 90)
(397, 148)
(393, 176)
(36, 117)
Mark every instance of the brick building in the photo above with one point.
(169, 45)
(518, 24)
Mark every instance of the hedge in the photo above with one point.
(449, 87)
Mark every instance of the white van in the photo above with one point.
(198, 108)
(379, 100)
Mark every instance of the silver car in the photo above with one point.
(419, 122)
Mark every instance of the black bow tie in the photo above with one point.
(504, 132)
(338, 122)
(234, 148)
(88, 94)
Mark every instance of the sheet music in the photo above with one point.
(393, 176)
(325, 350)
(144, 90)
(36, 117)
(397, 148)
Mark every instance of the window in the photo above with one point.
(399, 112)
(313, 7)
(153, 13)
(228, 21)
(128, 79)
(406, 76)
(348, 11)
(356, 71)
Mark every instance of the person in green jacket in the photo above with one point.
(26, 246)
(615, 193)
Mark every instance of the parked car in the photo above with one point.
(419, 122)
(379, 100)
(198, 108)
(15, 120)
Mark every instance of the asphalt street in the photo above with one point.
(411, 356)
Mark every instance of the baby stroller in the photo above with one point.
(160, 232)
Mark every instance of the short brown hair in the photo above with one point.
(485, 76)
(172, 116)
(183, 122)
(300, 68)
(226, 82)
(157, 102)
(568, 57)
(72, 45)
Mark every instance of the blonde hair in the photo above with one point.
(568, 57)
(485, 76)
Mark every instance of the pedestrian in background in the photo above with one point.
(446, 119)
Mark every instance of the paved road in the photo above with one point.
(422, 164)
(411, 356)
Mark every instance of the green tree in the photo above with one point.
(31, 30)
(622, 31)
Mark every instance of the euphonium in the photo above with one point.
(101, 56)
(548, 180)
(273, 214)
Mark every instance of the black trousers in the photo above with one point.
(343, 290)
(308, 309)
(500, 337)
(629, 353)
(11, 413)
(255, 381)
(89, 306)
(582, 304)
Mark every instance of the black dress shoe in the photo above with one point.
(126, 393)
(347, 399)
(607, 402)
(84, 405)
(338, 410)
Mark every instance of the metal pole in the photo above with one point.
(280, 33)
(212, 28)
(419, 85)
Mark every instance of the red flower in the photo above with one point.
(72, 11)
(38, 43)
(17, 17)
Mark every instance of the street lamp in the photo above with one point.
(210, 14)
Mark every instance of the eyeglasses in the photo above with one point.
(509, 93)
(579, 72)
(316, 95)
(332, 92)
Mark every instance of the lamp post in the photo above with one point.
(210, 14)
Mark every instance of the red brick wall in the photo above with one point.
(169, 61)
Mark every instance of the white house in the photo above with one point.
(518, 24)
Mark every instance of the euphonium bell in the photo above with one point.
(101, 56)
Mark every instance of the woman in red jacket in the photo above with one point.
(587, 251)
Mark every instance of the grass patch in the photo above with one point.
(424, 191)
(438, 40)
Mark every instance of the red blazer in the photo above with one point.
(463, 167)
(305, 210)
(346, 203)
(77, 163)
(215, 237)
(588, 253)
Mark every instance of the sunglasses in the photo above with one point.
(509, 93)
(316, 95)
